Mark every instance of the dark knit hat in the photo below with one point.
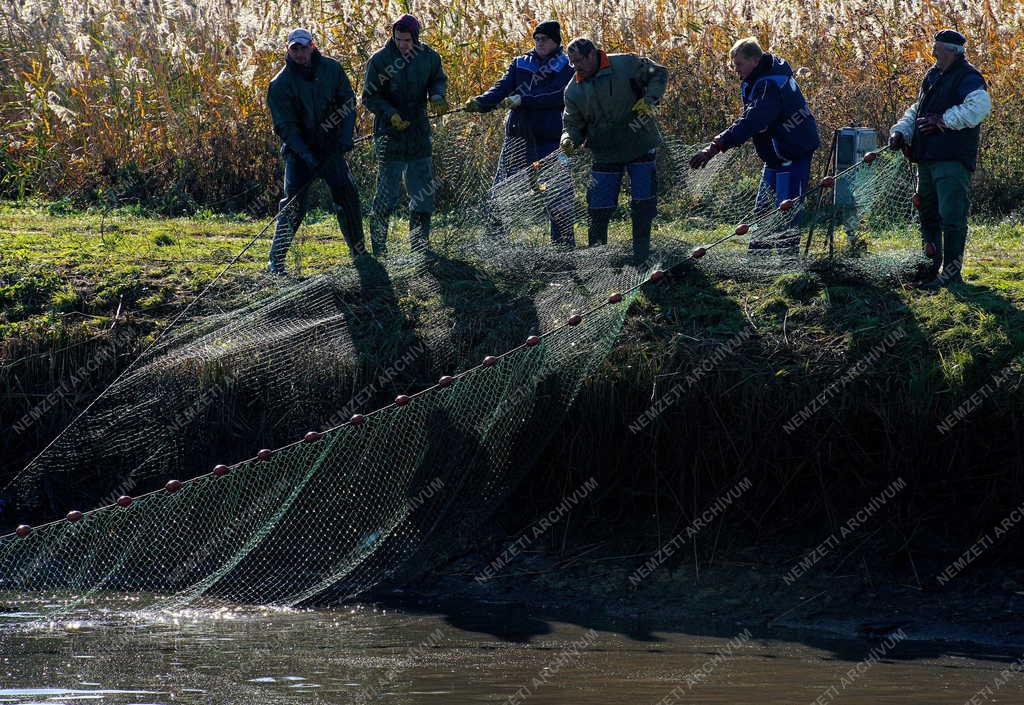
(407, 23)
(951, 36)
(550, 28)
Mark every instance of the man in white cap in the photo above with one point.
(940, 132)
(313, 108)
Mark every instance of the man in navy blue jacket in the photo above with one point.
(776, 118)
(532, 90)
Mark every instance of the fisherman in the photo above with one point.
(403, 78)
(532, 90)
(940, 133)
(609, 108)
(777, 119)
(313, 108)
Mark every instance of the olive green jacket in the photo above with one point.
(395, 84)
(599, 109)
(313, 109)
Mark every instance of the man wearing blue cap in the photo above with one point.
(940, 132)
(403, 79)
(532, 89)
(313, 108)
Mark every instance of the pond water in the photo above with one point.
(110, 652)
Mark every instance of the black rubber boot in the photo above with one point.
(419, 231)
(562, 233)
(642, 213)
(597, 233)
(350, 220)
(379, 234)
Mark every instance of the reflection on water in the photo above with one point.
(485, 654)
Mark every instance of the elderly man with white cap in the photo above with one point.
(940, 132)
(313, 108)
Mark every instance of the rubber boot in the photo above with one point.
(642, 214)
(597, 233)
(350, 220)
(562, 233)
(954, 243)
(419, 232)
(379, 234)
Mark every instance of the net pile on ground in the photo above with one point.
(403, 459)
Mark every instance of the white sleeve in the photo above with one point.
(905, 125)
(975, 108)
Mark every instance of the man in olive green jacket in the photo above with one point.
(609, 108)
(313, 108)
(402, 78)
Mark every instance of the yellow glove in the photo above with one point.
(512, 102)
(567, 146)
(472, 106)
(398, 123)
(642, 107)
(438, 105)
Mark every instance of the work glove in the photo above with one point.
(897, 140)
(512, 102)
(438, 105)
(472, 106)
(398, 123)
(644, 107)
(930, 124)
(701, 158)
(567, 146)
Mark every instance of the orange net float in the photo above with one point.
(742, 229)
(445, 381)
(356, 419)
(827, 182)
(657, 275)
(575, 319)
(173, 486)
(124, 501)
(311, 437)
(787, 205)
(489, 361)
(870, 157)
(402, 399)
(265, 454)
(222, 470)
(23, 530)
(532, 341)
(615, 298)
(698, 252)
(74, 515)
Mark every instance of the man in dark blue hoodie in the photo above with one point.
(532, 89)
(778, 121)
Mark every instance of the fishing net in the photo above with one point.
(431, 381)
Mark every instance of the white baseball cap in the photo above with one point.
(300, 36)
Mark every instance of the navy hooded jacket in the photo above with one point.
(775, 116)
(541, 83)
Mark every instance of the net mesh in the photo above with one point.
(377, 496)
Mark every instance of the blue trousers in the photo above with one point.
(297, 174)
(606, 181)
(787, 181)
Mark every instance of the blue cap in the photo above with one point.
(300, 36)
(951, 36)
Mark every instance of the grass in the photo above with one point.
(67, 273)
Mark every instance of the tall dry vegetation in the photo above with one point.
(161, 101)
